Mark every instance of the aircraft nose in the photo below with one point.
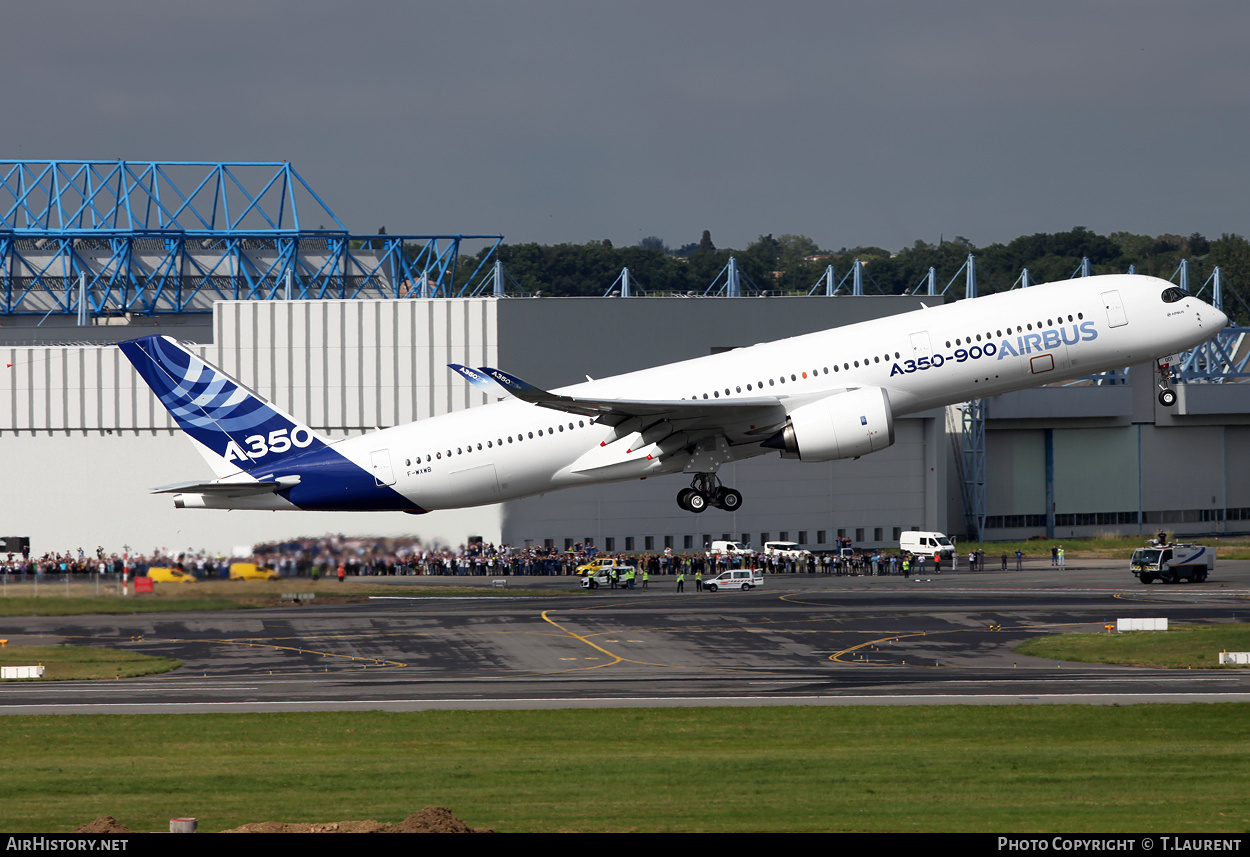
(1219, 319)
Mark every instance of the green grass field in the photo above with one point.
(1180, 647)
(952, 768)
(1018, 769)
(62, 663)
(56, 599)
(54, 605)
(1106, 547)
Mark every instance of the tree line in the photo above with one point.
(793, 264)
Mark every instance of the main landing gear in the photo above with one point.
(1167, 396)
(705, 490)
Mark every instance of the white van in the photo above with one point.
(785, 549)
(732, 548)
(918, 542)
(742, 579)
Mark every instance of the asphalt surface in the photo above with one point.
(798, 640)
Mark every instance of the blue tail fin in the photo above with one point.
(237, 426)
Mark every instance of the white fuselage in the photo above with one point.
(923, 359)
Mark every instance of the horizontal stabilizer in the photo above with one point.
(230, 489)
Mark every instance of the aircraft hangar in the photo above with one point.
(85, 440)
(351, 333)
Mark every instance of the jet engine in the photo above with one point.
(844, 425)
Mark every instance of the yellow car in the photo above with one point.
(251, 571)
(169, 575)
(595, 564)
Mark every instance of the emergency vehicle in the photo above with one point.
(1171, 562)
(743, 579)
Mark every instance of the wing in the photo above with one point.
(740, 419)
(696, 434)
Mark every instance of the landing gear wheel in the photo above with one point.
(1167, 396)
(705, 490)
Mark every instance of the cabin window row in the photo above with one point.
(464, 450)
(781, 379)
(1050, 322)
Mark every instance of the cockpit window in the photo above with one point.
(1172, 295)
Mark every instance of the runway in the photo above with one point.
(798, 640)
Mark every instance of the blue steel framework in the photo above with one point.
(1223, 359)
(147, 238)
(831, 285)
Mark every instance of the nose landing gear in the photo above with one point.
(1167, 396)
(705, 490)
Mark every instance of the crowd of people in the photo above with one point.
(342, 556)
(80, 562)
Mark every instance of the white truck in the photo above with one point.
(732, 548)
(927, 544)
(789, 550)
(1171, 562)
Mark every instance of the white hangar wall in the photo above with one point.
(349, 366)
(342, 366)
(83, 440)
(83, 490)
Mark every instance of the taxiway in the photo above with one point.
(799, 640)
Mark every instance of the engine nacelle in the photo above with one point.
(844, 425)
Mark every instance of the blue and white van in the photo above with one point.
(739, 578)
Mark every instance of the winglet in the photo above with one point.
(474, 377)
(527, 392)
(515, 386)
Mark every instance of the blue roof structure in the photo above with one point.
(108, 237)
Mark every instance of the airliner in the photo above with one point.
(817, 397)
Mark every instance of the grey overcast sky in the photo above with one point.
(851, 122)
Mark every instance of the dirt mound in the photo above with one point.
(104, 824)
(432, 819)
